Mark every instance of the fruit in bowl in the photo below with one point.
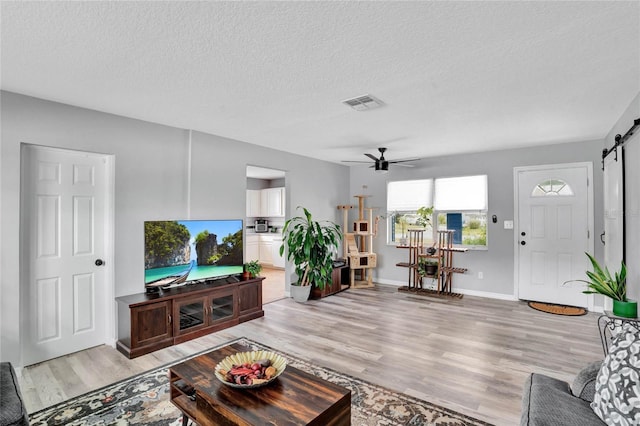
(250, 369)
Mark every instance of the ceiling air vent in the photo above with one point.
(363, 103)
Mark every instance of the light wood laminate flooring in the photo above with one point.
(273, 284)
(471, 355)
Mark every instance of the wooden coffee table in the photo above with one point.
(294, 398)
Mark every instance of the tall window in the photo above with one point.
(459, 204)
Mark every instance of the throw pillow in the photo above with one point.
(617, 394)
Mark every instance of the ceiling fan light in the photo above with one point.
(382, 166)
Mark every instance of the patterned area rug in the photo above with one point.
(551, 308)
(144, 400)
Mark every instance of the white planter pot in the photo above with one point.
(300, 293)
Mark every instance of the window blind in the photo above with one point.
(409, 195)
(461, 193)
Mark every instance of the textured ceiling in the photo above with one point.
(454, 76)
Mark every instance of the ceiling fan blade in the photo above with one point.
(371, 156)
(403, 165)
(404, 161)
(351, 161)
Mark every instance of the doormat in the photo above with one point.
(144, 400)
(551, 308)
(429, 292)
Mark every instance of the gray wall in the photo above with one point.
(496, 262)
(147, 189)
(151, 182)
(632, 194)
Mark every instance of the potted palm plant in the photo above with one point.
(614, 286)
(310, 246)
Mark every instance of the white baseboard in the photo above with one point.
(390, 282)
(477, 293)
(500, 296)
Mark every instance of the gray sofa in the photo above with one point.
(12, 411)
(551, 402)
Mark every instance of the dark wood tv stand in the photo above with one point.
(148, 322)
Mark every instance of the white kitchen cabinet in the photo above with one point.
(254, 203)
(273, 202)
(265, 202)
(264, 248)
(278, 261)
(266, 254)
(253, 248)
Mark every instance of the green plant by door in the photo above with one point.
(602, 282)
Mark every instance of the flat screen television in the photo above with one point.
(179, 251)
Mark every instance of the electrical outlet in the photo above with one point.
(480, 275)
(508, 224)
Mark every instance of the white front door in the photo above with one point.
(554, 230)
(64, 225)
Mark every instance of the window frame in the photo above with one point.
(430, 238)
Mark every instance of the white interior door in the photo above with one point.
(555, 229)
(65, 221)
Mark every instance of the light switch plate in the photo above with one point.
(508, 224)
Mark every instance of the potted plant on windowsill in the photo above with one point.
(424, 216)
(252, 268)
(614, 286)
(310, 245)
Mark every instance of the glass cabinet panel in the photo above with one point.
(191, 314)
(221, 308)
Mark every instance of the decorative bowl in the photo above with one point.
(277, 361)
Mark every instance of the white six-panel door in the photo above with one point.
(555, 229)
(64, 233)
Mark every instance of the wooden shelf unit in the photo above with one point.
(148, 322)
(415, 247)
(444, 256)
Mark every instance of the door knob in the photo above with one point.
(523, 243)
(99, 262)
(523, 233)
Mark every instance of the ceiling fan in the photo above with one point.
(381, 164)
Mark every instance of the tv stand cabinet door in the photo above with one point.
(151, 326)
(190, 315)
(250, 300)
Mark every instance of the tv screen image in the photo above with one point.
(188, 250)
